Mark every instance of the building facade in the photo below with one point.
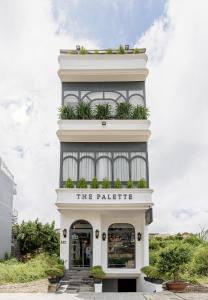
(7, 191)
(104, 198)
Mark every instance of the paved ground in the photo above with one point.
(105, 296)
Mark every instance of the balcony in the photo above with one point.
(102, 67)
(104, 199)
(103, 130)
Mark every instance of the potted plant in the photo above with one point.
(69, 184)
(94, 183)
(142, 183)
(117, 184)
(82, 184)
(83, 111)
(98, 274)
(123, 110)
(130, 184)
(102, 112)
(171, 262)
(140, 112)
(152, 273)
(105, 183)
(66, 113)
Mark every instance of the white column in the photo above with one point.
(97, 241)
(64, 242)
(146, 245)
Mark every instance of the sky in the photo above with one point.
(174, 33)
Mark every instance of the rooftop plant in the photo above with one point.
(69, 184)
(123, 110)
(142, 183)
(121, 50)
(140, 112)
(66, 112)
(105, 183)
(82, 184)
(102, 112)
(109, 51)
(82, 50)
(84, 111)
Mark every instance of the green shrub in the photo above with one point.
(109, 51)
(173, 259)
(200, 261)
(123, 110)
(151, 272)
(66, 113)
(97, 272)
(121, 50)
(153, 257)
(94, 183)
(105, 183)
(82, 50)
(140, 112)
(130, 184)
(69, 184)
(117, 184)
(136, 50)
(142, 184)
(96, 51)
(84, 111)
(102, 112)
(81, 184)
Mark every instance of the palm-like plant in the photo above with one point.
(66, 112)
(123, 110)
(140, 112)
(84, 111)
(102, 112)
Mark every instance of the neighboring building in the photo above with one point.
(105, 226)
(7, 190)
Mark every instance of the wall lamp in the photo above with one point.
(139, 236)
(64, 232)
(97, 233)
(103, 236)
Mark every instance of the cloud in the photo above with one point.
(30, 94)
(177, 45)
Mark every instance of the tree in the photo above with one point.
(34, 235)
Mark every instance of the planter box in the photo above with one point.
(103, 130)
(98, 287)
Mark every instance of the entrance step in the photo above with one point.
(76, 281)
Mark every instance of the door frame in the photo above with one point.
(80, 230)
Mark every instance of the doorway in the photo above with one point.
(80, 248)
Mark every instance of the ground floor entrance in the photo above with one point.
(80, 251)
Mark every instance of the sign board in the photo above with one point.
(149, 216)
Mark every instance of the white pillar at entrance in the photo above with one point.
(97, 241)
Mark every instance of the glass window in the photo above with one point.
(121, 246)
(70, 169)
(86, 169)
(104, 169)
(138, 168)
(121, 166)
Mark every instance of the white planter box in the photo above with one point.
(103, 130)
(98, 287)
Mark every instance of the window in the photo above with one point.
(121, 246)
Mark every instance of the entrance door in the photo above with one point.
(80, 245)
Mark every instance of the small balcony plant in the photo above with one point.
(84, 111)
(105, 183)
(142, 183)
(97, 273)
(82, 50)
(130, 184)
(117, 184)
(69, 184)
(102, 112)
(140, 112)
(123, 110)
(82, 184)
(94, 183)
(66, 113)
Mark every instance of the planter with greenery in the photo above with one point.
(83, 111)
(66, 113)
(106, 183)
(121, 50)
(97, 273)
(94, 183)
(102, 112)
(82, 184)
(82, 50)
(140, 112)
(142, 183)
(69, 184)
(130, 184)
(123, 111)
(117, 184)
(153, 275)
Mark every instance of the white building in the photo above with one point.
(105, 226)
(7, 190)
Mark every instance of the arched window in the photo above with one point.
(87, 168)
(121, 168)
(70, 168)
(121, 246)
(104, 168)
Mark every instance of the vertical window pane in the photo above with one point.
(104, 169)
(138, 168)
(87, 169)
(70, 169)
(121, 169)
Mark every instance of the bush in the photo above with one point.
(82, 50)
(66, 113)
(96, 51)
(105, 183)
(151, 272)
(69, 184)
(97, 272)
(123, 110)
(94, 183)
(140, 112)
(130, 184)
(102, 112)
(200, 261)
(117, 184)
(81, 184)
(136, 50)
(173, 259)
(109, 51)
(142, 184)
(121, 50)
(84, 111)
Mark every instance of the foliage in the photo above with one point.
(13, 271)
(173, 259)
(94, 183)
(123, 110)
(105, 183)
(140, 112)
(34, 235)
(142, 183)
(203, 235)
(200, 260)
(121, 50)
(82, 184)
(109, 51)
(97, 272)
(102, 112)
(136, 50)
(117, 184)
(96, 51)
(69, 183)
(151, 271)
(66, 113)
(130, 184)
(84, 111)
(82, 50)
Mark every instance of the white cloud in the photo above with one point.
(177, 45)
(30, 94)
